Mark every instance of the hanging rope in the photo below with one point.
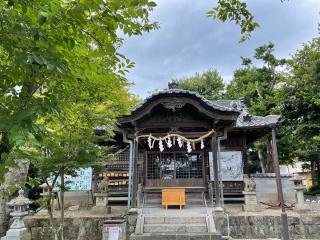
(175, 135)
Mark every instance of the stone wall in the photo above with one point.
(244, 227)
(255, 227)
(76, 228)
(266, 187)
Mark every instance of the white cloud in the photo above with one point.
(189, 42)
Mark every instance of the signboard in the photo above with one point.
(114, 233)
(80, 182)
(231, 166)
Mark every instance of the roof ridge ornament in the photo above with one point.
(173, 104)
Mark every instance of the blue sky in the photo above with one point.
(189, 42)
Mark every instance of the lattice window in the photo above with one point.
(154, 163)
(167, 166)
(182, 166)
(195, 160)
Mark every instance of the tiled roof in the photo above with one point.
(212, 104)
(244, 120)
(256, 121)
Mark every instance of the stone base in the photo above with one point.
(251, 208)
(250, 200)
(218, 211)
(103, 210)
(101, 199)
(17, 234)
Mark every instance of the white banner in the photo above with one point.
(81, 182)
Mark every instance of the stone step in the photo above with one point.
(174, 228)
(174, 219)
(173, 236)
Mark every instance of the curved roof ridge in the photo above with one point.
(212, 104)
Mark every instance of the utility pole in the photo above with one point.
(275, 158)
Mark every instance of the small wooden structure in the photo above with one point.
(173, 197)
(160, 161)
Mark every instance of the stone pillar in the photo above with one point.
(300, 196)
(114, 229)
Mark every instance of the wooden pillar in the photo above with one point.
(214, 148)
(245, 155)
(135, 180)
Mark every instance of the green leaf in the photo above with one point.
(42, 20)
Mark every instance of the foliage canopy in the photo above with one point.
(208, 84)
(55, 54)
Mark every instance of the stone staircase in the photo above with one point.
(155, 227)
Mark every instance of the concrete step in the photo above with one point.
(174, 228)
(174, 219)
(173, 236)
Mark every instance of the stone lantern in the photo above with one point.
(17, 230)
(299, 188)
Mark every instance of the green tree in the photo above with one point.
(261, 89)
(66, 145)
(52, 50)
(235, 11)
(208, 84)
(300, 107)
(259, 85)
(57, 53)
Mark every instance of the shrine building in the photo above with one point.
(171, 136)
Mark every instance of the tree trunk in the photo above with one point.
(313, 174)
(14, 176)
(50, 212)
(269, 162)
(262, 161)
(3, 216)
(318, 174)
(62, 204)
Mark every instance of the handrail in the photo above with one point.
(141, 215)
(228, 225)
(205, 202)
(207, 214)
